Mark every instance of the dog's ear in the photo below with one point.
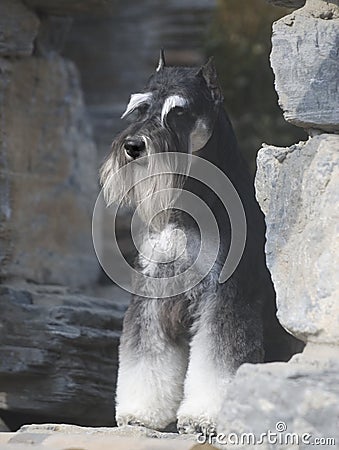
(162, 62)
(209, 73)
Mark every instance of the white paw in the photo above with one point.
(155, 419)
(196, 425)
(128, 420)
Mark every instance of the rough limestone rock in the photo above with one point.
(18, 28)
(298, 191)
(305, 62)
(48, 174)
(300, 397)
(58, 354)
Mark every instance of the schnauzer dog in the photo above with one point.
(178, 353)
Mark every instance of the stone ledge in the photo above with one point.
(61, 436)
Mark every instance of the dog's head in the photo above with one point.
(176, 112)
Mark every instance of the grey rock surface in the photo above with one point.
(18, 28)
(48, 174)
(124, 431)
(305, 62)
(55, 437)
(299, 397)
(58, 353)
(298, 191)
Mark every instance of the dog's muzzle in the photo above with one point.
(134, 147)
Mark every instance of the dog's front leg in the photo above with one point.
(227, 333)
(151, 369)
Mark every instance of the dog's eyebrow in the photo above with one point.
(135, 101)
(170, 103)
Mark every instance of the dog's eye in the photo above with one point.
(179, 110)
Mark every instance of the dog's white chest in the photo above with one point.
(166, 246)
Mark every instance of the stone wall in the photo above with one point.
(58, 347)
(47, 154)
(48, 160)
(298, 191)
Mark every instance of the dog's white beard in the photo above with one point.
(151, 186)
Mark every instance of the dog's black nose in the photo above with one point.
(134, 147)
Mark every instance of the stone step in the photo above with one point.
(57, 437)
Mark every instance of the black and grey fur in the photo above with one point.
(178, 354)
